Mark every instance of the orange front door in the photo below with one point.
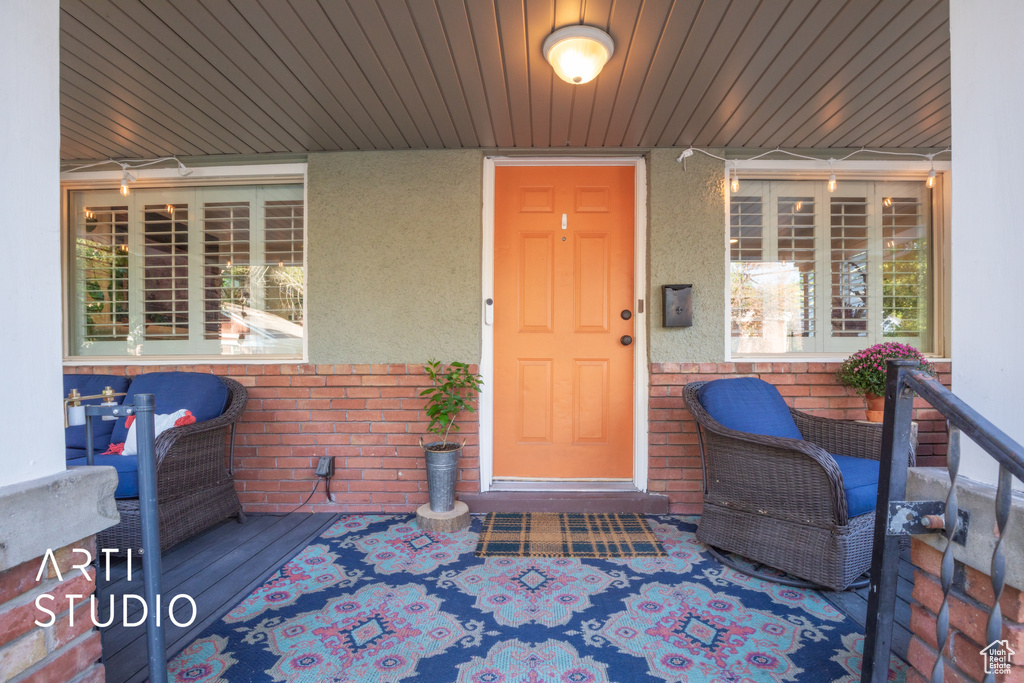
(563, 303)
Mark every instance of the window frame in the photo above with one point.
(852, 171)
(169, 178)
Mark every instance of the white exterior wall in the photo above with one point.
(988, 217)
(31, 416)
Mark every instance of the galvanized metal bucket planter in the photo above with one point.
(442, 467)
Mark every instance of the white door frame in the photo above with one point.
(640, 369)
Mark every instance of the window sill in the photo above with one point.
(79, 361)
(803, 358)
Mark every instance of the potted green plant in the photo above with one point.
(453, 392)
(865, 372)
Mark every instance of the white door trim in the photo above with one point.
(640, 367)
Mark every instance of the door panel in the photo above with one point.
(563, 382)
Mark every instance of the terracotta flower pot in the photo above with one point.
(876, 407)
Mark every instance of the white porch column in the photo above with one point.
(988, 217)
(31, 419)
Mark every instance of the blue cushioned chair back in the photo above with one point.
(205, 395)
(748, 404)
(87, 385)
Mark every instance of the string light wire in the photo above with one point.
(930, 157)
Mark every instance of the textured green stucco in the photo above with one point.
(394, 251)
(686, 245)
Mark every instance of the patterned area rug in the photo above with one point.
(376, 599)
(580, 535)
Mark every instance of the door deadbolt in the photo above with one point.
(626, 315)
(626, 340)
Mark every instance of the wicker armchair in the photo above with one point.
(194, 488)
(781, 501)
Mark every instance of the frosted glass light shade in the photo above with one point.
(76, 416)
(578, 53)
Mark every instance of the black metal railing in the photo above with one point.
(152, 572)
(895, 517)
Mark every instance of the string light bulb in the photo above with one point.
(126, 178)
(887, 202)
(799, 206)
(931, 178)
(735, 181)
(89, 215)
(831, 176)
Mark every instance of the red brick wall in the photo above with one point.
(63, 651)
(675, 468)
(969, 603)
(369, 417)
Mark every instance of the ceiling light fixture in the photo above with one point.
(578, 53)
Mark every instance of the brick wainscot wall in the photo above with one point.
(69, 650)
(370, 418)
(675, 468)
(970, 599)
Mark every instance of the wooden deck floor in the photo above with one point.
(217, 569)
(225, 564)
(854, 603)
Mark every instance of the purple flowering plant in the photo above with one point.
(865, 370)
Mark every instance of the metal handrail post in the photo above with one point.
(151, 565)
(885, 558)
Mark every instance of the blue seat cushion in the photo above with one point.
(860, 481)
(205, 395)
(127, 467)
(748, 404)
(87, 385)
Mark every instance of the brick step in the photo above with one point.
(566, 501)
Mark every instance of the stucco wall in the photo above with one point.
(30, 196)
(394, 256)
(686, 245)
(988, 95)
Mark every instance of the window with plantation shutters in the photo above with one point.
(208, 271)
(820, 272)
(165, 272)
(100, 249)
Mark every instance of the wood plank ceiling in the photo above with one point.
(155, 78)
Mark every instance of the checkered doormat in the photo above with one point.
(581, 535)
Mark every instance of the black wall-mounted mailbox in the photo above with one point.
(678, 305)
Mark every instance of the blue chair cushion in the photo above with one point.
(205, 395)
(74, 437)
(127, 467)
(860, 481)
(748, 404)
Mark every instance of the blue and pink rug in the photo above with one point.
(376, 599)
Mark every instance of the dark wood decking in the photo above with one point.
(854, 603)
(225, 564)
(217, 569)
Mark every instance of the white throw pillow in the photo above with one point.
(163, 422)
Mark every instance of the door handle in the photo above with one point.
(625, 340)
(626, 314)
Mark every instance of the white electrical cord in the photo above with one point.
(688, 152)
(127, 164)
